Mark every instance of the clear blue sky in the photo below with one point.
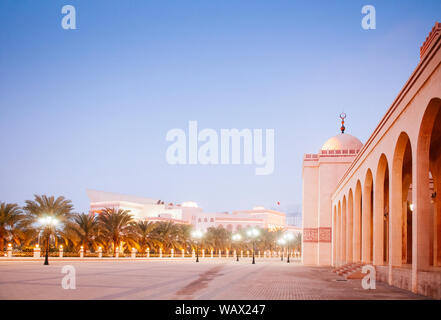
(90, 108)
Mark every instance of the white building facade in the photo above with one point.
(187, 213)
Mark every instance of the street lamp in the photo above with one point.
(237, 237)
(281, 242)
(197, 235)
(48, 222)
(253, 233)
(288, 237)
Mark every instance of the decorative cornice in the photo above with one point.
(330, 153)
(436, 30)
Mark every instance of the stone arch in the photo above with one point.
(381, 212)
(343, 230)
(349, 227)
(427, 211)
(338, 238)
(334, 235)
(367, 218)
(358, 201)
(401, 179)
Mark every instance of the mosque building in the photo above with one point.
(379, 203)
(321, 173)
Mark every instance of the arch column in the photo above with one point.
(396, 211)
(338, 236)
(366, 215)
(366, 231)
(437, 214)
(349, 228)
(378, 223)
(357, 224)
(379, 205)
(395, 225)
(422, 215)
(334, 238)
(343, 232)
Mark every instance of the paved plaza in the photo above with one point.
(184, 279)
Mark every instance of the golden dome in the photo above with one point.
(343, 141)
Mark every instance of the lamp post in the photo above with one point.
(48, 223)
(288, 237)
(253, 233)
(281, 242)
(197, 235)
(237, 237)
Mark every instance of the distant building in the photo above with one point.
(143, 208)
(187, 213)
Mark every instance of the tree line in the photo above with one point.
(112, 228)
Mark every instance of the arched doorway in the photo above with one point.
(381, 213)
(367, 218)
(343, 231)
(400, 226)
(428, 184)
(334, 236)
(349, 227)
(357, 222)
(339, 258)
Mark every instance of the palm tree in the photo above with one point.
(26, 233)
(67, 236)
(44, 206)
(168, 232)
(10, 223)
(184, 236)
(144, 236)
(115, 225)
(85, 228)
(59, 210)
(217, 238)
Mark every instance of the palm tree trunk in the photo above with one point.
(2, 243)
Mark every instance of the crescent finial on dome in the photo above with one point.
(342, 117)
